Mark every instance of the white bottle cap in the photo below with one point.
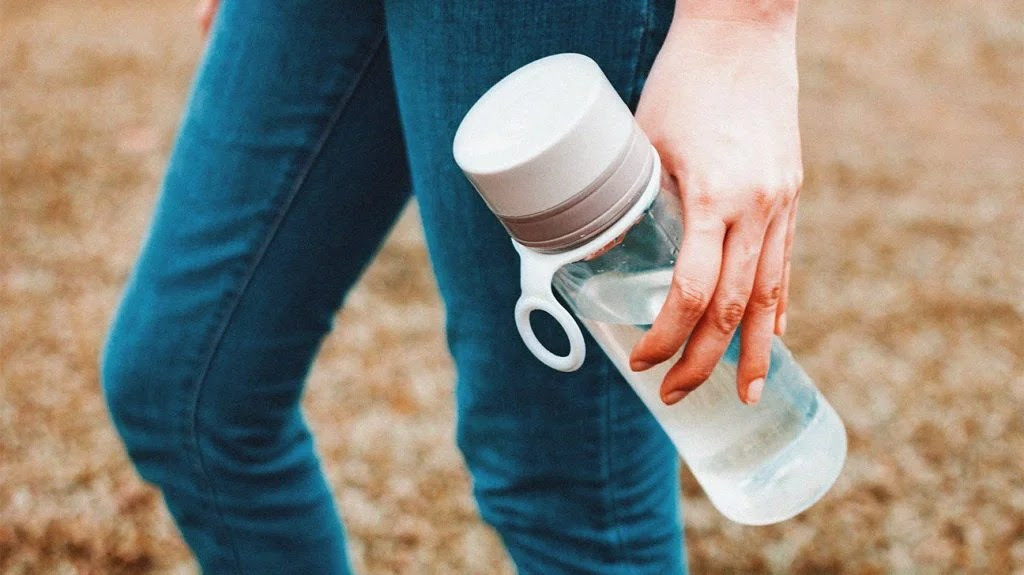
(554, 152)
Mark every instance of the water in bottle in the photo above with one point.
(758, 464)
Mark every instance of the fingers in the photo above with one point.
(715, 329)
(759, 319)
(693, 283)
(780, 310)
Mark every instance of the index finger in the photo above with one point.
(693, 283)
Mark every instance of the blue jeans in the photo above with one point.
(308, 126)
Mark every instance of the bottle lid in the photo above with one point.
(554, 152)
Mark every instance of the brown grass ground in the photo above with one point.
(907, 307)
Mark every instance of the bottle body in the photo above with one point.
(758, 464)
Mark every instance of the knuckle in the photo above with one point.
(767, 296)
(692, 298)
(701, 374)
(690, 379)
(765, 200)
(788, 196)
(728, 316)
(748, 252)
(694, 379)
(660, 350)
(700, 197)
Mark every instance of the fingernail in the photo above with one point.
(673, 396)
(754, 391)
(639, 365)
(782, 324)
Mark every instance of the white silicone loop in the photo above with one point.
(577, 348)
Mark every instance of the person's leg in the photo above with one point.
(570, 469)
(288, 171)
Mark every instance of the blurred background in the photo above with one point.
(907, 307)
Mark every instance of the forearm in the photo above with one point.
(760, 12)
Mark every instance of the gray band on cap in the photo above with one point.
(589, 212)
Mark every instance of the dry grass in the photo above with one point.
(907, 307)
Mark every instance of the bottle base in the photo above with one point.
(789, 483)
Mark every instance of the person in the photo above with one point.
(308, 126)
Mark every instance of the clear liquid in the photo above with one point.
(758, 464)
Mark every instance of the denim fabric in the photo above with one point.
(289, 169)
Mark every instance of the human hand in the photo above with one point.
(720, 106)
(206, 10)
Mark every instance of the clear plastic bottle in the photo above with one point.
(559, 159)
(758, 464)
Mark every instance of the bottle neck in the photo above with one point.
(592, 211)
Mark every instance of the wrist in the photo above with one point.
(756, 12)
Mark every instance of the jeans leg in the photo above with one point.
(288, 171)
(571, 469)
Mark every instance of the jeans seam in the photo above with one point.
(193, 449)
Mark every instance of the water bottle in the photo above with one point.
(557, 156)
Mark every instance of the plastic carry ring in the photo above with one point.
(535, 275)
(577, 348)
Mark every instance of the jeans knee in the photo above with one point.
(136, 398)
(170, 417)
